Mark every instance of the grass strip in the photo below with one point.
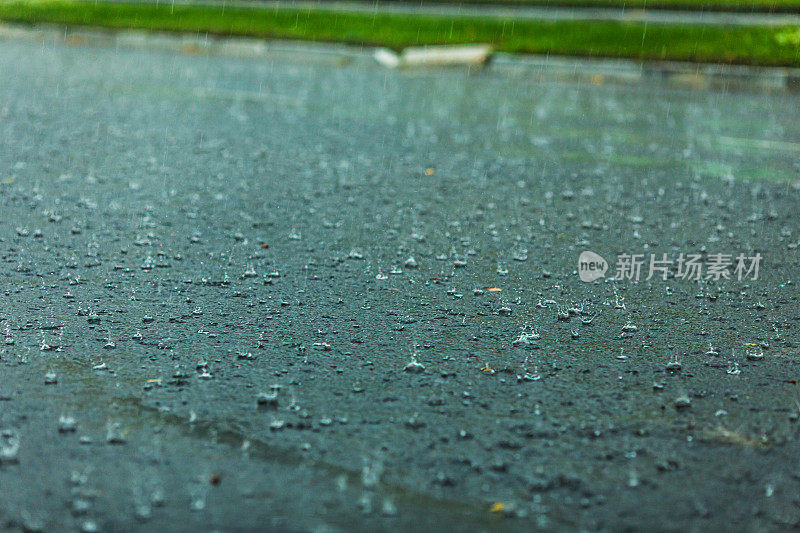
(765, 46)
(742, 6)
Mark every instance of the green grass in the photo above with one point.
(745, 45)
(763, 6)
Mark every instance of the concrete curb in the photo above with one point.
(190, 44)
(471, 55)
(674, 74)
(557, 68)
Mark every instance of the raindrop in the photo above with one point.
(530, 376)
(80, 506)
(32, 522)
(198, 492)
(388, 508)
(66, 424)
(9, 446)
(629, 328)
(157, 497)
(414, 366)
(89, 526)
(365, 503)
(371, 471)
(264, 399)
(415, 423)
(520, 254)
(527, 338)
(755, 356)
(683, 401)
(674, 365)
(142, 509)
(114, 433)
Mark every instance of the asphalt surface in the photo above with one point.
(209, 308)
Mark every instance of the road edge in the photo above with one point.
(597, 71)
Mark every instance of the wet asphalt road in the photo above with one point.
(208, 306)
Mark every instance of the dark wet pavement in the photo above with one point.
(209, 306)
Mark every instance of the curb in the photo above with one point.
(189, 44)
(471, 55)
(677, 75)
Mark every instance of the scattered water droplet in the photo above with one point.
(9, 446)
(114, 434)
(683, 401)
(414, 367)
(264, 399)
(388, 508)
(66, 424)
(752, 355)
